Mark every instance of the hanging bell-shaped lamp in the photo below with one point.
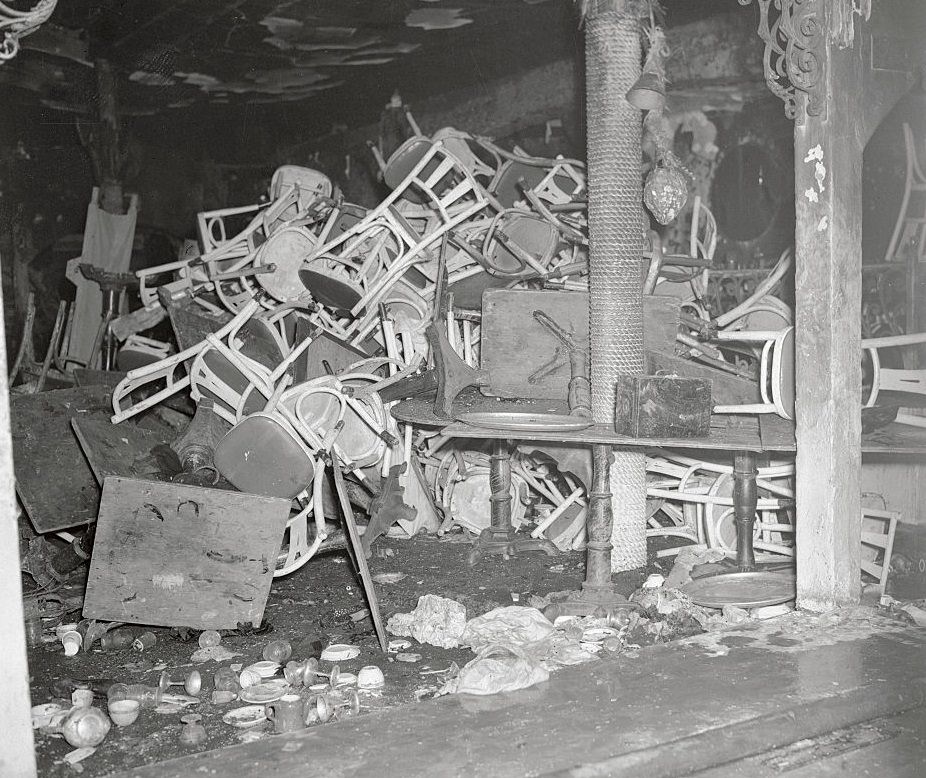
(648, 92)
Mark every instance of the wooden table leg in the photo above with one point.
(500, 537)
(600, 518)
(745, 499)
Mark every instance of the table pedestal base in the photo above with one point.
(500, 537)
(507, 543)
(601, 601)
(597, 596)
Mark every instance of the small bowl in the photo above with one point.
(370, 677)
(43, 714)
(597, 634)
(264, 668)
(340, 652)
(123, 712)
(248, 678)
(82, 698)
(223, 697)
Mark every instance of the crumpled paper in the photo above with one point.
(497, 669)
(438, 621)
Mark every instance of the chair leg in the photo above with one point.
(52, 345)
(25, 344)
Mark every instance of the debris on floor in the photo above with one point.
(438, 621)
(285, 341)
(915, 610)
(497, 669)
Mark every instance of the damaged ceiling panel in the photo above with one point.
(312, 65)
(182, 53)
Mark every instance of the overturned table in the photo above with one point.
(745, 437)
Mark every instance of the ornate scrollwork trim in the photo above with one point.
(795, 53)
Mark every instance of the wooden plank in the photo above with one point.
(775, 431)
(723, 436)
(54, 482)
(191, 324)
(325, 355)
(896, 439)
(726, 389)
(515, 345)
(109, 378)
(727, 433)
(176, 555)
(359, 556)
(122, 450)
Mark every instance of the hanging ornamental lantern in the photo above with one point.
(665, 190)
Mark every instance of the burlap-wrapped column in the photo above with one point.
(615, 216)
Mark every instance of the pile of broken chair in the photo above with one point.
(299, 322)
(313, 308)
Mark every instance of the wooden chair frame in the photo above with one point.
(893, 379)
(915, 182)
(776, 363)
(170, 370)
(452, 194)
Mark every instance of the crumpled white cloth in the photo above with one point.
(510, 626)
(497, 669)
(438, 621)
(526, 632)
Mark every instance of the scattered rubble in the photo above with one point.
(436, 620)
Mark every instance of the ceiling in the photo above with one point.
(318, 63)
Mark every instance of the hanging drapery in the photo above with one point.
(108, 239)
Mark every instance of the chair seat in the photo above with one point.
(506, 188)
(260, 456)
(403, 161)
(534, 237)
(340, 294)
(285, 249)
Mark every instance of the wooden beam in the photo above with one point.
(828, 150)
(828, 295)
(17, 756)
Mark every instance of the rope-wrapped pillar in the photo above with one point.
(615, 217)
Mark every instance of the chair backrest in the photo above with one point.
(520, 244)
(311, 183)
(320, 405)
(233, 393)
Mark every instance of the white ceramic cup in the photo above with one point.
(123, 712)
(82, 698)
